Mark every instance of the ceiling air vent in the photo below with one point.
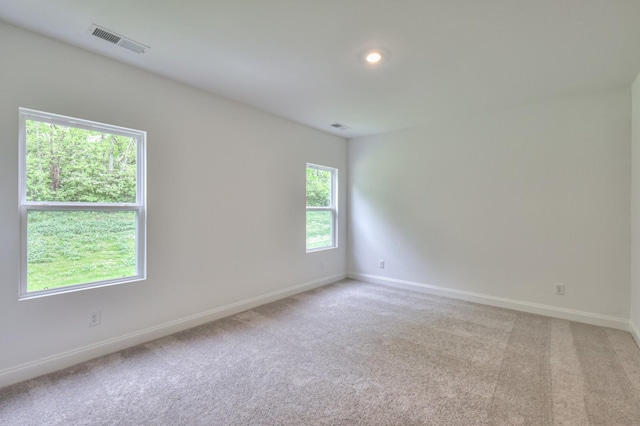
(114, 38)
(340, 126)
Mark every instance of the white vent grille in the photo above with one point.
(114, 38)
(134, 47)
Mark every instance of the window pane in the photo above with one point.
(319, 226)
(318, 187)
(69, 164)
(67, 248)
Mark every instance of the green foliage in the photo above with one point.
(78, 165)
(70, 164)
(318, 187)
(38, 252)
(318, 195)
(67, 248)
(318, 229)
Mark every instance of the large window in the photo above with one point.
(321, 207)
(82, 204)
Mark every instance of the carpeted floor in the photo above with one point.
(351, 354)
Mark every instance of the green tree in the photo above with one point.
(73, 164)
(318, 187)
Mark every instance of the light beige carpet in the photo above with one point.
(351, 354)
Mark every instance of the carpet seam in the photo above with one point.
(634, 390)
(504, 355)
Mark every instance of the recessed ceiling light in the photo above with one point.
(373, 57)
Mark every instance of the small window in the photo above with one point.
(82, 204)
(322, 215)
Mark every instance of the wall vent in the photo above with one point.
(114, 38)
(340, 126)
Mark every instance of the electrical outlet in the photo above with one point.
(381, 264)
(95, 318)
(322, 265)
(560, 289)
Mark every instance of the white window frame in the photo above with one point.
(139, 206)
(333, 207)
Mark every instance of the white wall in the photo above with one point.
(635, 212)
(501, 206)
(226, 200)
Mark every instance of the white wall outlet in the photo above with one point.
(381, 264)
(322, 265)
(560, 289)
(95, 318)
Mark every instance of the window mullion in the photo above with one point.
(80, 207)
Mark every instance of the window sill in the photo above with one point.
(321, 249)
(73, 289)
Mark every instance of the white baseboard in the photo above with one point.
(635, 332)
(517, 305)
(67, 359)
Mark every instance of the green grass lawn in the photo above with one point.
(69, 248)
(318, 229)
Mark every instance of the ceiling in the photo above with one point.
(302, 59)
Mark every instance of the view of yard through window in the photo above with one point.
(320, 205)
(318, 229)
(74, 178)
(69, 248)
